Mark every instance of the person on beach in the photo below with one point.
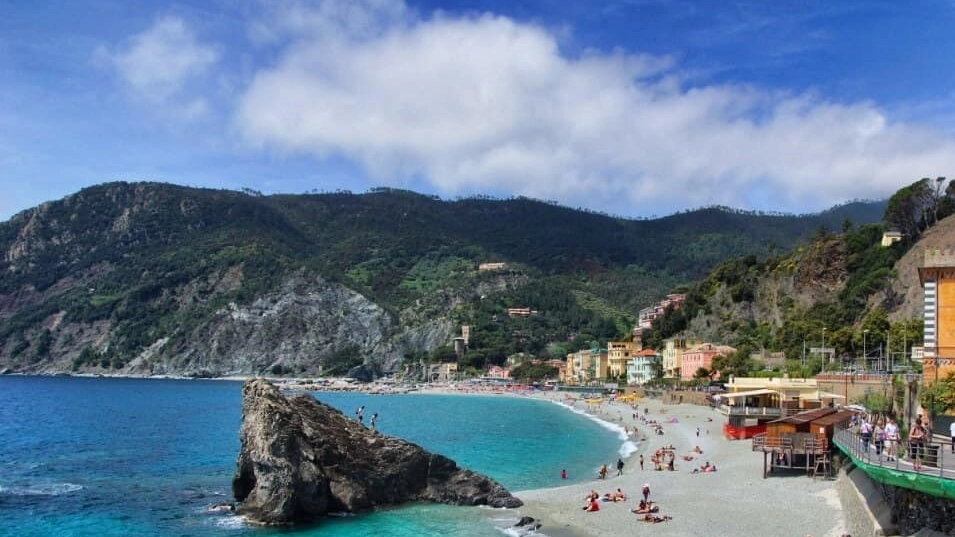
(592, 506)
(374, 420)
(563, 474)
(645, 507)
(646, 492)
(619, 466)
(602, 473)
(641, 462)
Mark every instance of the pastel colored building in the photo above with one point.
(701, 356)
(585, 366)
(619, 354)
(672, 354)
(640, 369)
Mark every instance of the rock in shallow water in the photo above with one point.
(302, 459)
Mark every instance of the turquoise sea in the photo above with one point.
(85, 457)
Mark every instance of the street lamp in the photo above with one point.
(865, 357)
(824, 344)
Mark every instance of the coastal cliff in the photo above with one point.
(301, 459)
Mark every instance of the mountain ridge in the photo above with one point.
(151, 278)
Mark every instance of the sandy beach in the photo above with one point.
(735, 500)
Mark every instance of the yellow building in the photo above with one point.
(752, 402)
(672, 354)
(586, 366)
(619, 354)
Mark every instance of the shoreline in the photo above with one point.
(734, 500)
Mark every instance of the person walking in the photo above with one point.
(878, 437)
(646, 492)
(641, 462)
(891, 438)
(866, 431)
(619, 466)
(917, 443)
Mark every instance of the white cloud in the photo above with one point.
(487, 104)
(159, 62)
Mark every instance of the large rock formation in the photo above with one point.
(301, 459)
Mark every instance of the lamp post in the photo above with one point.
(823, 344)
(865, 357)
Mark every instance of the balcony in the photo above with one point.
(752, 411)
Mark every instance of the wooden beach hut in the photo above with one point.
(800, 441)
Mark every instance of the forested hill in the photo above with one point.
(128, 275)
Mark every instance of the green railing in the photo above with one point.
(935, 476)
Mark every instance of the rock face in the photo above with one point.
(301, 459)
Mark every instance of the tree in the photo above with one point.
(939, 396)
(736, 363)
(529, 371)
(937, 193)
(906, 209)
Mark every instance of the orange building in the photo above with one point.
(937, 275)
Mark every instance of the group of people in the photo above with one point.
(602, 472)
(883, 436)
(360, 416)
(664, 458)
(593, 499)
(646, 507)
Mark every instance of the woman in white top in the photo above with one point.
(891, 438)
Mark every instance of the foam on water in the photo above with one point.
(40, 489)
(627, 448)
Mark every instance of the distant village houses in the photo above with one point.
(648, 315)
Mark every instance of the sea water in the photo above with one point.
(84, 457)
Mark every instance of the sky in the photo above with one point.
(635, 108)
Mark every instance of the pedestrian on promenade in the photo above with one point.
(891, 438)
(866, 431)
(878, 436)
(917, 443)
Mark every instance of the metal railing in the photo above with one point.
(937, 458)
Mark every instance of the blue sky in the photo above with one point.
(631, 107)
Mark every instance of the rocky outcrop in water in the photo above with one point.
(301, 459)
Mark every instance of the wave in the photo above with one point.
(521, 532)
(627, 448)
(48, 489)
(232, 522)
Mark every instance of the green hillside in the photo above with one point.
(146, 262)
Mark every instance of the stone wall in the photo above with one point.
(871, 508)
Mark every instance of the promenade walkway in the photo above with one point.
(936, 476)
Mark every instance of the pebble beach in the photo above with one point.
(735, 500)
